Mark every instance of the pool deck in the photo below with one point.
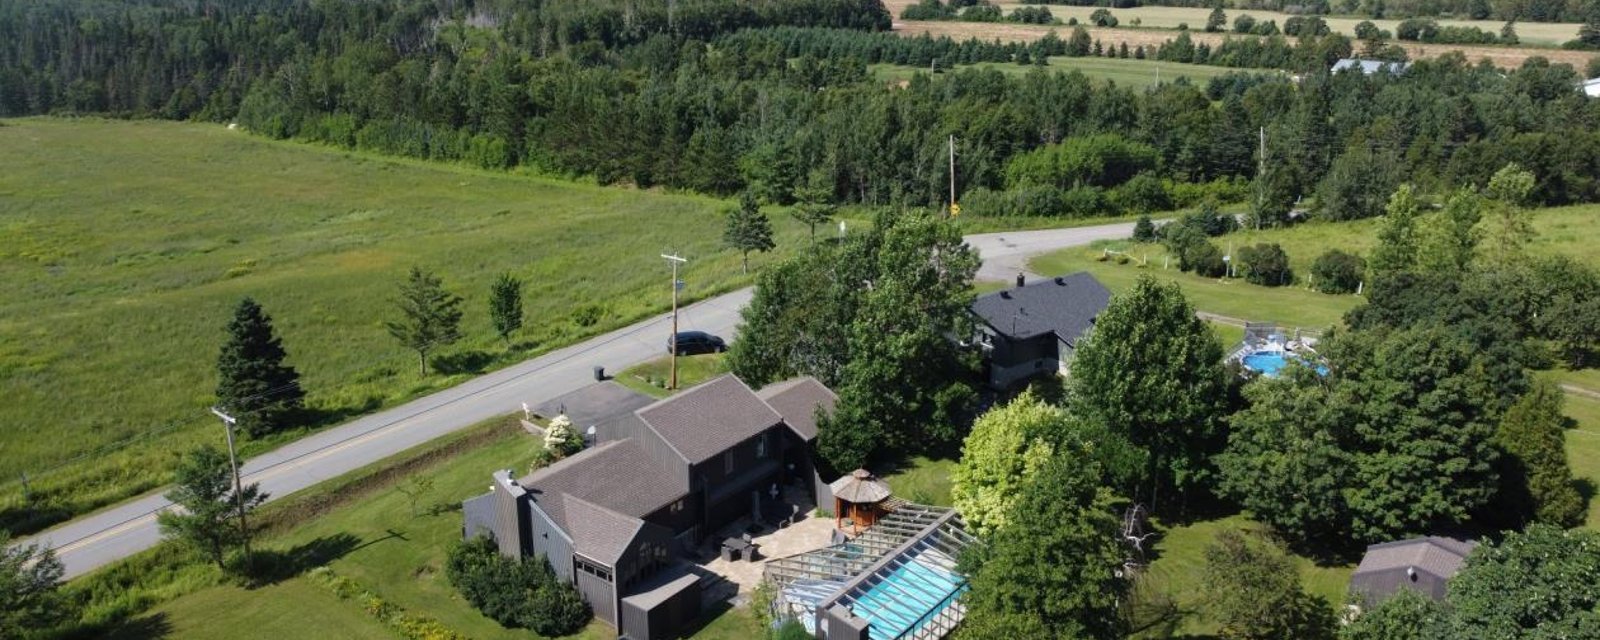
(811, 533)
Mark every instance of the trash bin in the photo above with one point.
(599, 373)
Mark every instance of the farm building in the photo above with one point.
(1422, 564)
(1591, 87)
(1369, 67)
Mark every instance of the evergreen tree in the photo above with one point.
(814, 202)
(1216, 21)
(208, 518)
(430, 317)
(505, 305)
(31, 600)
(748, 229)
(1144, 230)
(254, 384)
(1053, 571)
(1535, 478)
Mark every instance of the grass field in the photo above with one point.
(650, 378)
(124, 245)
(293, 609)
(1561, 230)
(1583, 449)
(1138, 74)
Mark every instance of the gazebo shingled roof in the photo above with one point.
(860, 488)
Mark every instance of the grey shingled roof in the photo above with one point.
(1441, 557)
(597, 532)
(797, 400)
(595, 405)
(706, 420)
(616, 475)
(1065, 306)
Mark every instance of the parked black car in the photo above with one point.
(693, 342)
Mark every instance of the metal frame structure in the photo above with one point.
(858, 571)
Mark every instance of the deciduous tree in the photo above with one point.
(1054, 570)
(254, 384)
(1510, 223)
(1397, 241)
(1252, 590)
(430, 316)
(1152, 372)
(1542, 583)
(208, 518)
(505, 305)
(1006, 447)
(1406, 615)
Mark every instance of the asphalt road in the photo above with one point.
(117, 532)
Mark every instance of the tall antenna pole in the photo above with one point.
(238, 486)
(952, 208)
(672, 383)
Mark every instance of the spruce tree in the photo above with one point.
(430, 316)
(1536, 479)
(254, 384)
(505, 305)
(209, 517)
(748, 229)
(813, 204)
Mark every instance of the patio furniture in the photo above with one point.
(735, 549)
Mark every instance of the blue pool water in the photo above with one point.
(907, 598)
(1269, 363)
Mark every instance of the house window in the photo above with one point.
(677, 506)
(761, 446)
(593, 569)
(727, 462)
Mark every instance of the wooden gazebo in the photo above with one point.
(859, 497)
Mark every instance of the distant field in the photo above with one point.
(1125, 72)
(124, 245)
(1156, 29)
(1533, 33)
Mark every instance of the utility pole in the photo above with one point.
(951, 211)
(672, 383)
(238, 486)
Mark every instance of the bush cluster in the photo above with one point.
(1337, 272)
(407, 624)
(515, 593)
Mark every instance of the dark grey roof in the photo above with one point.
(1065, 306)
(1438, 556)
(797, 400)
(595, 405)
(598, 533)
(662, 586)
(616, 475)
(706, 420)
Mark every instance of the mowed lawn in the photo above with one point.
(1583, 450)
(1560, 230)
(1128, 72)
(378, 541)
(125, 245)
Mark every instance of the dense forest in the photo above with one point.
(719, 96)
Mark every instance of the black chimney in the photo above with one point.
(1021, 281)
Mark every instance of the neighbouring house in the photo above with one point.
(1369, 67)
(1034, 328)
(615, 518)
(1591, 87)
(1422, 564)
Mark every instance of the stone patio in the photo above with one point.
(812, 532)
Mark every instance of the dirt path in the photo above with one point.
(1504, 57)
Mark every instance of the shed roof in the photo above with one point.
(1064, 305)
(706, 420)
(618, 476)
(1439, 556)
(797, 400)
(1369, 67)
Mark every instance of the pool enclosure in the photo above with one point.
(897, 579)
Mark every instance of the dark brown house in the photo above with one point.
(1033, 329)
(614, 518)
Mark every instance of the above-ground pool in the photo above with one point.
(1269, 363)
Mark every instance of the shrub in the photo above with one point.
(1143, 194)
(1244, 23)
(1337, 272)
(1265, 264)
(515, 593)
(1102, 18)
(1204, 259)
(1144, 230)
